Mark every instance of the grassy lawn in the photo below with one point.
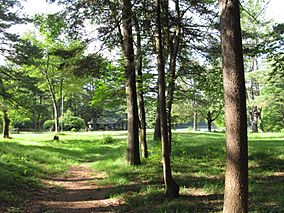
(198, 162)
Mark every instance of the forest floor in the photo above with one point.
(75, 191)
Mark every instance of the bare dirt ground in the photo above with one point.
(76, 191)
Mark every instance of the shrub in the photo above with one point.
(108, 139)
(48, 124)
(73, 123)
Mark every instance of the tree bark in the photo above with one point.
(174, 45)
(56, 115)
(50, 84)
(6, 124)
(210, 118)
(236, 177)
(254, 91)
(260, 121)
(140, 93)
(254, 118)
(132, 152)
(157, 131)
(195, 121)
(172, 189)
(61, 103)
(209, 121)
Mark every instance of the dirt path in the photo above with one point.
(75, 192)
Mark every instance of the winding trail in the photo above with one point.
(76, 191)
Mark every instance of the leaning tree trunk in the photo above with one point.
(172, 189)
(132, 152)
(140, 92)
(236, 177)
(6, 124)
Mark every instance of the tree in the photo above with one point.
(174, 49)
(140, 90)
(46, 57)
(115, 29)
(212, 94)
(255, 33)
(132, 153)
(172, 188)
(272, 86)
(15, 92)
(8, 17)
(236, 177)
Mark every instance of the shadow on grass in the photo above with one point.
(22, 165)
(198, 163)
(136, 198)
(267, 178)
(152, 199)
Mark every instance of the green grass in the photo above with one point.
(198, 163)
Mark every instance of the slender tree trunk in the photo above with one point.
(38, 120)
(56, 116)
(209, 121)
(172, 189)
(236, 177)
(254, 91)
(260, 121)
(50, 84)
(195, 121)
(174, 49)
(95, 119)
(132, 152)
(254, 117)
(61, 101)
(157, 131)
(6, 124)
(140, 92)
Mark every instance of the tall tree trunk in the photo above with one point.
(6, 124)
(254, 91)
(157, 130)
(172, 189)
(174, 45)
(61, 101)
(95, 119)
(209, 121)
(56, 116)
(140, 93)
(38, 119)
(260, 121)
(51, 89)
(132, 152)
(195, 121)
(236, 177)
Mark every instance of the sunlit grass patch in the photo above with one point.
(198, 166)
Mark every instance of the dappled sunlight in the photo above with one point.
(53, 173)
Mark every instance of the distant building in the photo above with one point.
(105, 122)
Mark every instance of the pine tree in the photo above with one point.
(236, 177)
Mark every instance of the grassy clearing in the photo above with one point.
(198, 162)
